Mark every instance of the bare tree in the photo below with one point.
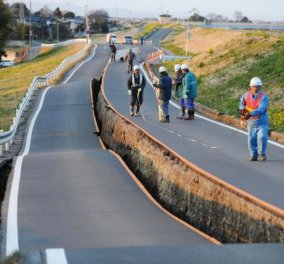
(238, 15)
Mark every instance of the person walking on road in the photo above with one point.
(164, 86)
(178, 90)
(136, 84)
(113, 52)
(253, 106)
(189, 91)
(129, 58)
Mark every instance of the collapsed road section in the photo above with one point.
(199, 198)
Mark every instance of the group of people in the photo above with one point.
(253, 104)
(185, 89)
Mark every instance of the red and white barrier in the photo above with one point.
(154, 56)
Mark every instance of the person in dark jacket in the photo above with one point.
(178, 90)
(129, 58)
(164, 87)
(113, 52)
(136, 84)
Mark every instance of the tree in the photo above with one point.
(245, 20)
(57, 13)
(5, 18)
(99, 21)
(69, 14)
(197, 18)
(238, 15)
(44, 12)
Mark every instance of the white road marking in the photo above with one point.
(229, 127)
(12, 240)
(56, 256)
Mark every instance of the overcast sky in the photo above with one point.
(270, 10)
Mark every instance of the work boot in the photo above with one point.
(182, 113)
(262, 157)
(131, 111)
(253, 158)
(189, 112)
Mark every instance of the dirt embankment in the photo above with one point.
(195, 196)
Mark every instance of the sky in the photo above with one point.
(268, 10)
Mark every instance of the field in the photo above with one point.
(14, 81)
(226, 60)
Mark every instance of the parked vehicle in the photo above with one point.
(113, 39)
(128, 40)
(7, 63)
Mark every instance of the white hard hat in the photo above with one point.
(136, 67)
(177, 67)
(255, 81)
(184, 67)
(162, 69)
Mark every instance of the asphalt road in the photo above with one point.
(73, 194)
(220, 151)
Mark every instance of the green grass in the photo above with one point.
(14, 81)
(147, 29)
(224, 73)
(224, 96)
(14, 258)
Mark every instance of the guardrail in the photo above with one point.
(6, 138)
(63, 43)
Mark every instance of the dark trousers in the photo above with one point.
(135, 99)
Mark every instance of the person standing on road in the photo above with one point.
(142, 40)
(113, 51)
(164, 87)
(136, 84)
(189, 91)
(178, 90)
(130, 57)
(253, 106)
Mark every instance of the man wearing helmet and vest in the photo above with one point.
(178, 91)
(165, 93)
(189, 91)
(253, 106)
(136, 84)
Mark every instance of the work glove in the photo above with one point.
(129, 92)
(247, 116)
(139, 90)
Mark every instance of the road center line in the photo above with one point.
(56, 256)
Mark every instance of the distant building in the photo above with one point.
(165, 18)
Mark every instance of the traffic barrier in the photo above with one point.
(6, 138)
(153, 56)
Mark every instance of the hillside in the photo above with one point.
(226, 60)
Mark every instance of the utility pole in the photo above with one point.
(30, 37)
(86, 21)
(188, 34)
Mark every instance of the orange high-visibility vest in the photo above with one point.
(251, 105)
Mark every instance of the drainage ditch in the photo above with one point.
(190, 193)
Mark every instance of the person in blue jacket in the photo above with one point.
(164, 87)
(189, 91)
(253, 106)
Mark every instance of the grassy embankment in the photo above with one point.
(14, 81)
(225, 61)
